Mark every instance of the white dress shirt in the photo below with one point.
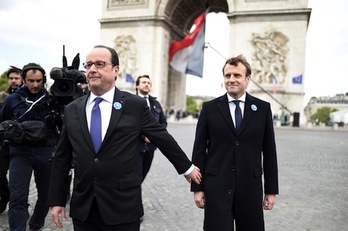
(147, 99)
(105, 109)
(232, 105)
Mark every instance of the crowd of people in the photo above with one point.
(109, 138)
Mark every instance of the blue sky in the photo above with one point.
(35, 31)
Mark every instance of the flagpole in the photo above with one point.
(274, 91)
(207, 45)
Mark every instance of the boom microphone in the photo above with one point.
(56, 73)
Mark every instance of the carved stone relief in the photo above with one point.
(270, 57)
(125, 46)
(115, 3)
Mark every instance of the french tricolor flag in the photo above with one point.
(187, 55)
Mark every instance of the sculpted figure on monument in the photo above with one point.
(125, 2)
(126, 48)
(270, 56)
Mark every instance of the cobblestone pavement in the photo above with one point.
(313, 176)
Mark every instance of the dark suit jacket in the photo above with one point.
(112, 174)
(157, 112)
(233, 163)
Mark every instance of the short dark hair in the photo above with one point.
(114, 55)
(33, 66)
(137, 82)
(13, 69)
(239, 59)
(138, 79)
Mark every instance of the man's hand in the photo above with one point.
(269, 201)
(55, 212)
(199, 199)
(195, 176)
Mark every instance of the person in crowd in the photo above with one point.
(14, 80)
(101, 136)
(147, 149)
(31, 147)
(84, 88)
(235, 148)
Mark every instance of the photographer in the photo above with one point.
(28, 111)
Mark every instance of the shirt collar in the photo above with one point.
(108, 96)
(242, 98)
(141, 95)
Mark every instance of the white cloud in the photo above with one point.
(327, 49)
(36, 31)
(326, 53)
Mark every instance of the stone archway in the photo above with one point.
(142, 31)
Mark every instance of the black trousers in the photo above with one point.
(146, 161)
(94, 222)
(4, 165)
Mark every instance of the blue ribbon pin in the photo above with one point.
(117, 105)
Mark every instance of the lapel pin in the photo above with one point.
(253, 107)
(117, 105)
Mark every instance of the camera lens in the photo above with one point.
(63, 88)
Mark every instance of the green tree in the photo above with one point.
(322, 115)
(191, 104)
(3, 81)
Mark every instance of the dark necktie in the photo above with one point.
(147, 100)
(237, 114)
(95, 129)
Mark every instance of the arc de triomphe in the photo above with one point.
(270, 33)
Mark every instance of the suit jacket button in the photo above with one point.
(237, 142)
(96, 160)
(233, 169)
(230, 191)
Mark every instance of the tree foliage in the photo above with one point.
(322, 115)
(3, 81)
(194, 103)
(191, 104)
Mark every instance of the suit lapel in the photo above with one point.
(81, 112)
(225, 111)
(117, 108)
(247, 111)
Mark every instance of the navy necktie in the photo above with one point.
(237, 114)
(147, 100)
(95, 129)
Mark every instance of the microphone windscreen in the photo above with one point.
(56, 73)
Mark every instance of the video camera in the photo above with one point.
(65, 88)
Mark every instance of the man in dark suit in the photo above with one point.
(14, 80)
(147, 149)
(234, 146)
(107, 186)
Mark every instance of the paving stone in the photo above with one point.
(313, 178)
